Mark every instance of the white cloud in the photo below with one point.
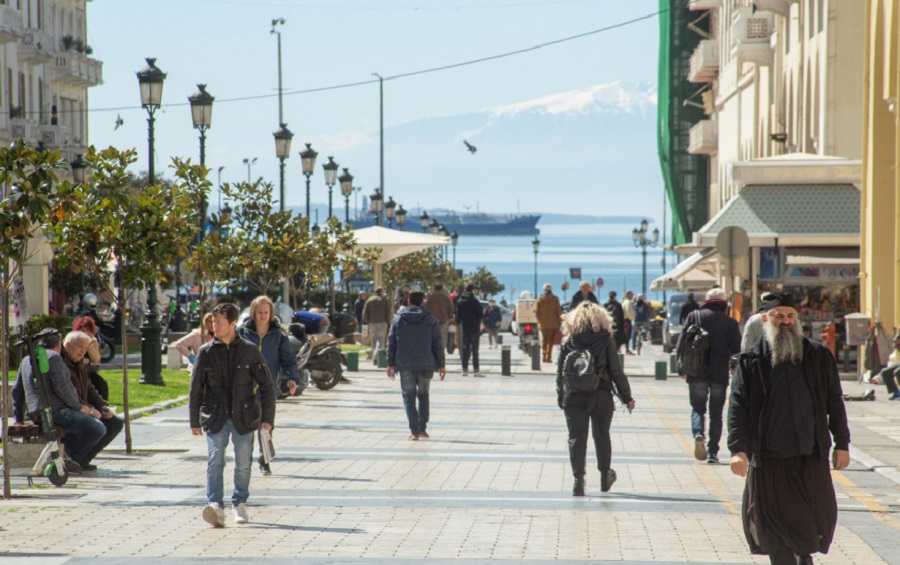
(344, 142)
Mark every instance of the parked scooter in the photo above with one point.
(526, 320)
(323, 361)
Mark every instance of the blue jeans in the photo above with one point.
(700, 392)
(215, 467)
(414, 384)
(83, 432)
(470, 341)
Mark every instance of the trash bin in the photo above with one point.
(673, 364)
(661, 374)
(656, 333)
(505, 361)
(381, 357)
(352, 360)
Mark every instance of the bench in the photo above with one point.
(32, 433)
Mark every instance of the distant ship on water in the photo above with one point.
(470, 223)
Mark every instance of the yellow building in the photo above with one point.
(880, 205)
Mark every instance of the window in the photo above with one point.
(21, 94)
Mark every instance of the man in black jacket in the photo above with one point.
(786, 405)
(225, 402)
(710, 387)
(468, 315)
(584, 293)
(618, 316)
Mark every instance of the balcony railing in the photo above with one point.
(10, 24)
(76, 69)
(704, 138)
(35, 47)
(705, 61)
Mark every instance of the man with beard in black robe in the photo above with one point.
(785, 408)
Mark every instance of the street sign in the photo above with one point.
(732, 242)
(599, 283)
(575, 273)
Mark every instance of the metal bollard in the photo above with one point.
(673, 364)
(505, 361)
(621, 359)
(499, 339)
(352, 360)
(535, 357)
(381, 356)
(661, 370)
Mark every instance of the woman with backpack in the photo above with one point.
(588, 373)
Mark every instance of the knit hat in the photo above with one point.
(776, 299)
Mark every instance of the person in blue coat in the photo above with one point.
(263, 331)
(415, 350)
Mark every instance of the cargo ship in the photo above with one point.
(470, 223)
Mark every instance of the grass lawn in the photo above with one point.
(345, 347)
(178, 382)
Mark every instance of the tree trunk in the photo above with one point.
(4, 371)
(122, 298)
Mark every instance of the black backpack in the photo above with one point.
(579, 372)
(693, 355)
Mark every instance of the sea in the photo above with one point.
(605, 253)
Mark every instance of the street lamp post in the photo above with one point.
(283, 139)
(446, 233)
(219, 197)
(401, 217)
(390, 210)
(78, 166)
(308, 160)
(639, 236)
(150, 80)
(201, 114)
(423, 221)
(536, 244)
(330, 169)
(346, 181)
(434, 226)
(454, 239)
(377, 202)
(380, 137)
(249, 162)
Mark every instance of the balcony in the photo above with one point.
(750, 35)
(75, 69)
(20, 128)
(35, 47)
(704, 138)
(696, 5)
(10, 24)
(705, 61)
(52, 137)
(781, 7)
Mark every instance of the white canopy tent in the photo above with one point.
(394, 244)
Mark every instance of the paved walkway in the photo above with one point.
(493, 483)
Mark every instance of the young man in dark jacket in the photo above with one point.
(224, 403)
(415, 350)
(724, 341)
(469, 314)
(786, 406)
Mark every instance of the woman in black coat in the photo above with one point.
(590, 327)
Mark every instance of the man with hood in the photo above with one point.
(469, 314)
(724, 337)
(786, 407)
(415, 350)
(690, 305)
(549, 315)
(618, 317)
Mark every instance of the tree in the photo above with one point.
(424, 268)
(485, 282)
(336, 251)
(127, 236)
(32, 198)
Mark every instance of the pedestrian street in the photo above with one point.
(492, 483)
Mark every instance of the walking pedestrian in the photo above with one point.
(358, 309)
(589, 327)
(225, 404)
(492, 320)
(690, 305)
(890, 373)
(189, 345)
(416, 351)
(710, 386)
(786, 406)
(618, 317)
(643, 313)
(440, 306)
(628, 313)
(377, 314)
(469, 315)
(584, 293)
(548, 312)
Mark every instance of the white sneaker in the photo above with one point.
(214, 515)
(465, 373)
(240, 514)
(479, 374)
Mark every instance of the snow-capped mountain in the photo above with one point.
(616, 97)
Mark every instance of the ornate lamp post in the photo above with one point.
(150, 80)
(446, 233)
(390, 210)
(346, 181)
(201, 114)
(330, 169)
(639, 236)
(78, 169)
(377, 203)
(283, 139)
(423, 221)
(434, 226)
(316, 230)
(401, 217)
(454, 239)
(308, 160)
(536, 244)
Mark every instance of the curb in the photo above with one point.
(158, 407)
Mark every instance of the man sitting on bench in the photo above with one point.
(83, 428)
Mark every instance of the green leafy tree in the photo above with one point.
(32, 199)
(424, 268)
(127, 236)
(485, 282)
(335, 251)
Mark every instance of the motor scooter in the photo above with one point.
(322, 349)
(526, 320)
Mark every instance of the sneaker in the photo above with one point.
(895, 396)
(479, 374)
(413, 437)
(424, 434)
(214, 515)
(578, 488)
(88, 467)
(72, 467)
(713, 459)
(629, 352)
(264, 467)
(240, 514)
(465, 373)
(699, 448)
(607, 480)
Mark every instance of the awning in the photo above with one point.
(396, 243)
(823, 257)
(686, 275)
(797, 215)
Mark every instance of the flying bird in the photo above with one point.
(119, 122)
(472, 149)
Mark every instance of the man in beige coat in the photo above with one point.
(441, 307)
(377, 314)
(549, 312)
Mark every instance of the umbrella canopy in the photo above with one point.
(396, 243)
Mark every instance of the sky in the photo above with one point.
(227, 45)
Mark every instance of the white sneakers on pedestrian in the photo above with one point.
(465, 373)
(240, 514)
(699, 448)
(479, 374)
(214, 515)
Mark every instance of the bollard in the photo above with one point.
(352, 360)
(535, 357)
(661, 370)
(505, 361)
(621, 359)
(499, 339)
(673, 364)
(381, 356)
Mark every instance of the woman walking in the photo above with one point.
(589, 328)
(189, 345)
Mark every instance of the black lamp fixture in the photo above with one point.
(390, 210)
(435, 227)
(639, 235)
(201, 115)
(316, 230)
(536, 244)
(283, 139)
(346, 181)
(308, 160)
(330, 169)
(78, 166)
(423, 221)
(376, 201)
(454, 239)
(401, 217)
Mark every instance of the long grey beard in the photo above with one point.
(786, 347)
